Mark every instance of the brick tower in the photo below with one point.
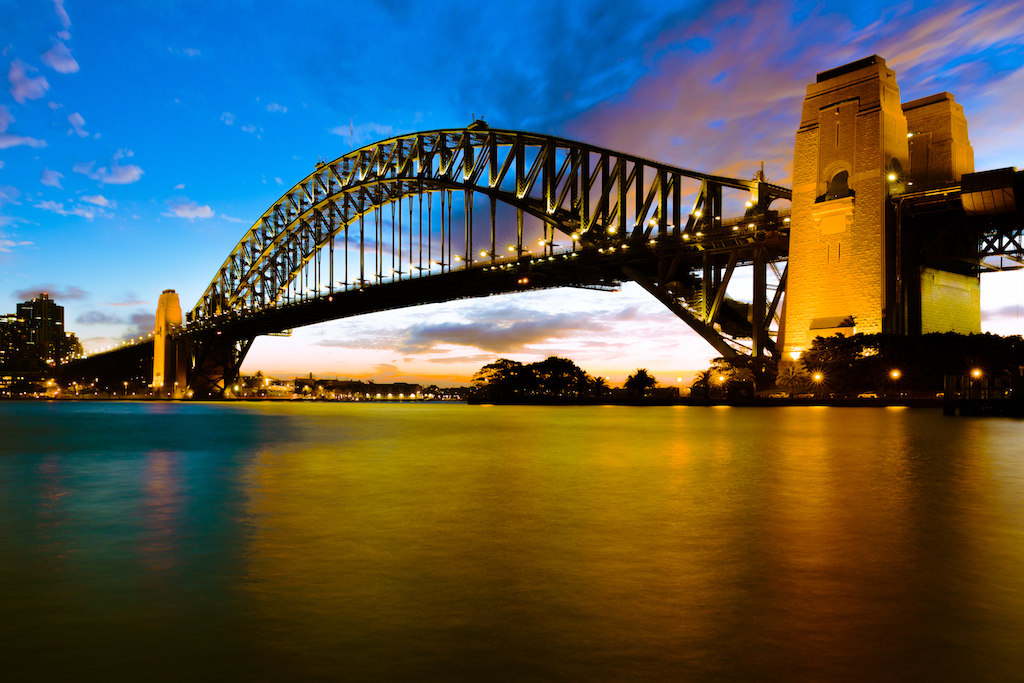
(847, 272)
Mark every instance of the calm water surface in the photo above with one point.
(460, 543)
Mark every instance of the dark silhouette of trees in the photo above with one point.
(640, 382)
(865, 362)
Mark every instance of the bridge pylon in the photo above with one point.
(169, 366)
(851, 267)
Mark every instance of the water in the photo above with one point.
(461, 543)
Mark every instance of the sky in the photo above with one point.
(140, 141)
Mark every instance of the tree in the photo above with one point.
(792, 378)
(558, 377)
(598, 386)
(640, 382)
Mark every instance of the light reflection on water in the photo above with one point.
(450, 542)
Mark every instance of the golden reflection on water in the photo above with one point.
(449, 542)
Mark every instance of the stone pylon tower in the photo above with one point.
(849, 268)
(168, 372)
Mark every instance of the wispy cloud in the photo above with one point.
(363, 133)
(24, 87)
(9, 140)
(51, 178)
(249, 128)
(1003, 313)
(228, 118)
(58, 208)
(186, 208)
(274, 106)
(9, 195)
(62, 14)
(55, 292)
(98, 318)
(179, 186)
(142, 324)
(99, 200)
(77, 125)
(115, 175)
(59, 59)
(7, 246)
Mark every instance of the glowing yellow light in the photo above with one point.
(817, 377)
(483, 253)
(612, 229)
(575, 237)
(511, 248)
(976, 373)
(895, 374)
(750, 204)
(892, 176)
(697, 213)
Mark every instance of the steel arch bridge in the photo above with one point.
(447, 214)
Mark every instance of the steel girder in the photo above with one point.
(595, 194)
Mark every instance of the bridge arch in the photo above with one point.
(594, 196)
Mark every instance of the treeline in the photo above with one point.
(891, 363)
(507, 380)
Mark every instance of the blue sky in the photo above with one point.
(138, 142)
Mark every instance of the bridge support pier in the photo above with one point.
(214, 362)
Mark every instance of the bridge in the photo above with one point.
(450, 214)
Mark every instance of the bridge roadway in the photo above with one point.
(665, 265)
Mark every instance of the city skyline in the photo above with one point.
(135, 152)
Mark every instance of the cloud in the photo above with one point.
(1002, 313)
(54, 106)
(249, 128)
(77, 123)
(7, 246)
(1, 163)
(363, 133)
(186, 208)
(278, 181)
(498, 337)
(98, 318)
(59, 59)
(58, 208)
(51, 178)
(179, 186)
(274, 106)
(25, 88)
(116, 174)
(55, 292)
(61, 13)
(9, 195)
(231, 219)
(228, 118)
(15, 140)
(143, 324)
(99, 200)
(191, 52)
(8, 140)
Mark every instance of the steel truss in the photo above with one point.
(592, 198)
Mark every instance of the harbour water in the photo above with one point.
(446, 542)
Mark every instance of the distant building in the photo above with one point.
(353, 389)
(33, 340)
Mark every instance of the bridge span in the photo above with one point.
(452, 214)
(889, 230)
